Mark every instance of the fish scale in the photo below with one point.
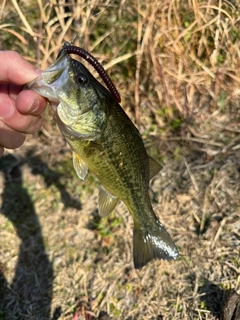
(105, 141)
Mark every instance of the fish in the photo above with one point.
(105, 142)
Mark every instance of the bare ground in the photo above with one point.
(60, 259)
(176, 65)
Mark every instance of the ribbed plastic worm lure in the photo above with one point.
(97, 66)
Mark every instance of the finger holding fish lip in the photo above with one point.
(19, 109)
(25, 123)
(22, 72)
(29, 102)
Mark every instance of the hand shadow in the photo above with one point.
(53, 177)
(29, 295)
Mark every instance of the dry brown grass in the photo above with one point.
(176, 65)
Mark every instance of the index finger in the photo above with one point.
(15, 69)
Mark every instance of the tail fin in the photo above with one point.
(152, 243)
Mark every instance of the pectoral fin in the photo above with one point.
(154, 167)
(80, 166)
(106, 202)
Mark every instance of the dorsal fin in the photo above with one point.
(154, 167)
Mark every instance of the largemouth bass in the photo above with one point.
(105, 141)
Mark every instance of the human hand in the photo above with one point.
(20, 110)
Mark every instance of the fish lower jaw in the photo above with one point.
(47, 93)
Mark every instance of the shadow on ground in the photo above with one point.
(29, 295)
(223, 304)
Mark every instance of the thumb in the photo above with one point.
(15, 69)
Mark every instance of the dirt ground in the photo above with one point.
(176, 65)
(60, 260)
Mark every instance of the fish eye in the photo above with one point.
(81, 79)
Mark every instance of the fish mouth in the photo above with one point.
(47, 83)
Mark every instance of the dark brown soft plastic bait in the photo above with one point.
(97, 66)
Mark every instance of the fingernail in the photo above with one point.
(33, 106)
(6, 109)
